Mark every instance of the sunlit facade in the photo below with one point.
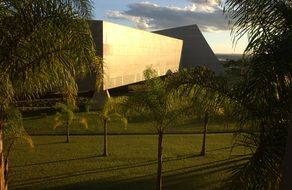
(127, 52)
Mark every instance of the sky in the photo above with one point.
(154, 15)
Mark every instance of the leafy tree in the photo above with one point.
(65, 116)
(111, 112)
(160, 106)
(44, 46)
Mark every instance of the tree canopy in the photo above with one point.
(264, 93)
(44, 46)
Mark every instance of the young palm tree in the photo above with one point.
(65, 116)
(199, 84)
(44, 46)
(211, 105)
(162, 107)
(111, 112)
(206, 120)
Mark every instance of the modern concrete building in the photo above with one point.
(127, 52)
(196, 51)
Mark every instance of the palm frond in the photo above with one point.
(63, 115)
(119, 118)
(83, 122)
(57, 124)
(158, 103)
(112, 111)
(14, 131)
(262, 21)
(263, 169)
(45, 46)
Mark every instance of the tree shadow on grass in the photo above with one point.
(188, 178)
(217, 149)
(206, 176)
(56, 161)
(179, 157)
(29, 184)
(50, 143)
(193, 177)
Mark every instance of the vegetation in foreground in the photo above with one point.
(53, 164)
(44, 45)
(263, 94)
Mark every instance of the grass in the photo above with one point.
(44, 125)
(131, 163)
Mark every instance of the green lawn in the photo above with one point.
(44, 125)
(131, 164)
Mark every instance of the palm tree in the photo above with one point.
(206, 103)
(206, 120)
(199, 84)
(262, 99)
(13, 132)
(161, 106)
(111, 112)
(44, 46)
(65, 116)
(211, 105)
(265, 93)
(267, 143)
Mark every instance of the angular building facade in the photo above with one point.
(127, 52)
(196, 51)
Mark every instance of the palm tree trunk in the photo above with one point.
(159, 163)
(6, 175)
(3, 180)
(6, 164)
(105, 153)
(206, 120)
(68, 132)
(287, 165)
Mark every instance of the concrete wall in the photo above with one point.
(127, 52)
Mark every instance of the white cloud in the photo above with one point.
(150, 16)
(141, 23)
(191, 8)
(205, 5)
